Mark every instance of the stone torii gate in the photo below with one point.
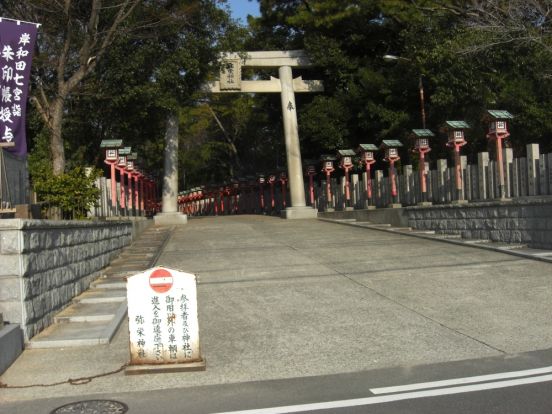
(231, 82)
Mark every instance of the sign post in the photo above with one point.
(163, 322)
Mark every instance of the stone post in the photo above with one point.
(169, 208)
(532, 169)
(549, 172)
(463, 168)
(442, 179)
(482, 166)
(508, 158)
(543, 178)
(298, 207)
(355, 193)
(378, 178)
(409, 189)
(342, 199)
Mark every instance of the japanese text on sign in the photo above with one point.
(162, 309)
(16, 47)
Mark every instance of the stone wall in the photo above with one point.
(45, 264)
(525, 220)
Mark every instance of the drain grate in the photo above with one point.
(92, 407)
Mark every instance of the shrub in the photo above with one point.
(74, 192)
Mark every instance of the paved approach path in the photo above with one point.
(285, 299)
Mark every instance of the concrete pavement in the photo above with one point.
(287, 299)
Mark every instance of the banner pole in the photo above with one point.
(18, 21)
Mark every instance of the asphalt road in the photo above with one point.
(510, 384)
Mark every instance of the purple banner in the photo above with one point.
(17, 41)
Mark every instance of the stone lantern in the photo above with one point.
(261, 181)
(129, 169)
(498, 130)
(111, 157)
(283, 177)
(421, 146)
(328, 169)
(366, 152)
(391, 151)
(310, 171)
(346, 164)
(121, 165)
(456, 139)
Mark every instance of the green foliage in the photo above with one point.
(74, 192)
(465, 68)
(156, 68)
(324, 124)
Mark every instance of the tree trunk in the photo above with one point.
(56, 141)
(170, 173)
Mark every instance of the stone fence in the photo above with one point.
(527, 176)
(130, 201)
(524, 220)
(45, 264)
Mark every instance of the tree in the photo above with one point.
(501, 22)
(75, 36)
(368, 100)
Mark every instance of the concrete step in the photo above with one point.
(448, 236)
(110, 283)
(89, 312)
(148, 247)
(61, 335)
(508, 246)
(135, 255)
(127, 267)
(477, 241)
(101, 296)
(536, 252)
(95, 315)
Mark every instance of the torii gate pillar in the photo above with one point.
(287, 86)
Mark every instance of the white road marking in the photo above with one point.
(459, 381)
(395, 397)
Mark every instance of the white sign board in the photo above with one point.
(162, 316)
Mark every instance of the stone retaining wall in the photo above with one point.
(45, 264)
(526, 220)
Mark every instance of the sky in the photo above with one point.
(241, 8)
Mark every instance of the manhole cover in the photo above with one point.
(92, 407)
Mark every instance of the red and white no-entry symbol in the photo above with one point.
(161, 280)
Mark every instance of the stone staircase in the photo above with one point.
(95, 315)
(514, 249)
